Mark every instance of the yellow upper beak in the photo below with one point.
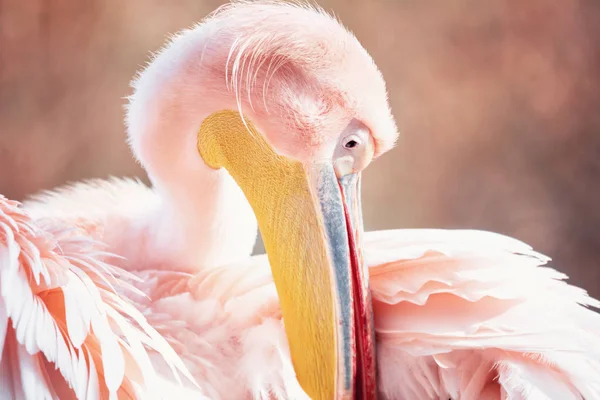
(310, 238)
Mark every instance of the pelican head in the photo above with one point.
(287, 102)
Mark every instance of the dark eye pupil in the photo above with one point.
(351, 144)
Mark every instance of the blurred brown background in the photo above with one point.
(498, 102)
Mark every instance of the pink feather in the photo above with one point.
(63, 320)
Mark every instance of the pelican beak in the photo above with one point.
(311, 224)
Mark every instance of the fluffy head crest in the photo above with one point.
(292, 69)
(301, 63)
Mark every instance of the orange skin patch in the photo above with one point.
(279, 192)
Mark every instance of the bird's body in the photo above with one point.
(457, 314)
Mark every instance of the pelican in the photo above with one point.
(264, 115)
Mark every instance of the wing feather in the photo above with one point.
(485, 308)
(59, 309)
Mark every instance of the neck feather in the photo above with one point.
(205, 223)
(203, 218)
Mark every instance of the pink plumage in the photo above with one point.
(65, 330)
(172, 290)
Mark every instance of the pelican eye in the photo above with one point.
(354, 150)
(352, 142)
